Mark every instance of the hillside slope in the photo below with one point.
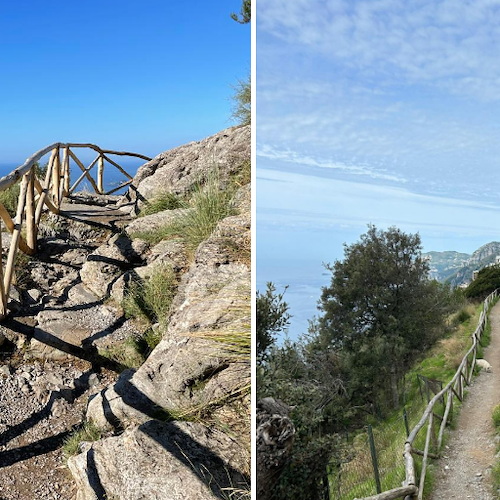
(457, 268)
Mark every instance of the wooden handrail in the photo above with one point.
(50, 193)
(453, 388)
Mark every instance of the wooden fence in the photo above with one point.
(413, 486)
(37, 195)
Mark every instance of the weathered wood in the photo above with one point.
(444, 422)
(14, 243)
(400, 492)
(107, 151)
(411, 478)
(473, 364)
(56, 178)
(3, 299)
(66, 171)
(421, 453)
(82, 167)
(15, 175)
(44, 198)
(84, 173)
(30, 212)
(424, 459)
(120, 187)
(100, 175)
(457, 395)
(121, 169)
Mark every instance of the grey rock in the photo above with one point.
(243, 199)
(107, 263)
(177, 170)
(35, 294)
(171, 252)
(168, 461)
(5, 370)
(154, 221)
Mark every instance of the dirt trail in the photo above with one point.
(464, 471)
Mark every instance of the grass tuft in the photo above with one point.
(209, 204)
(150, 300)
(164, 201)
(87, 432)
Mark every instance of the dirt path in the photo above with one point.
(464, 471)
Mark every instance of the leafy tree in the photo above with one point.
(487, 281)
(272, 318)
(245, 13)
(379, 311)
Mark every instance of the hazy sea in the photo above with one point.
(302, 295)
(112, 176)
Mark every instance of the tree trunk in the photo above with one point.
(275, 433)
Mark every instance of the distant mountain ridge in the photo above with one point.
(456, 268)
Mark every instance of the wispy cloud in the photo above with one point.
(293, 157)
(452, 44)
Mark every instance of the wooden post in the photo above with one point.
(31, 228)
(3, 300)
(56, 178)
(100, 175)
(66, 171)
(9, 267)
(424, 459)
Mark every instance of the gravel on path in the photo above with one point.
(464, 471)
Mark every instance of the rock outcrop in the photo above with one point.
(177, 170)
(201, 368)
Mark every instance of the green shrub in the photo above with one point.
(462, 316)
(164, 201)
(488, 279)
(87, 432)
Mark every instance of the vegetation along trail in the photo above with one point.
(464, 471)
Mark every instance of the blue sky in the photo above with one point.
(375, 111)
(143, 76)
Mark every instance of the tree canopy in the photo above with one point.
(380, 309)
(272, 318)
(245, 13)
(487, 281)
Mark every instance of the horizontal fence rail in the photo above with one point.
(413, 486)
(37, 195)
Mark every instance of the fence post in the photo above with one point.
(405, 418)
(100, 175)
(374, 458)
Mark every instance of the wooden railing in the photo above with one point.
(37, 195)
(413, 487)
